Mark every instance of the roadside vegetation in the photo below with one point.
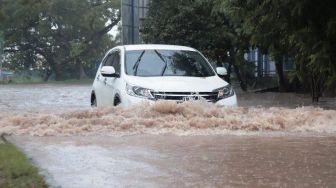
(303, 31)
(16, 170)
(65, 39)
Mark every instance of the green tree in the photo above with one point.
(304, 30)
(63, 35)
(194, 23)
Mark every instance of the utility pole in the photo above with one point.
(133, 13)
(130, 21)
(1, 53)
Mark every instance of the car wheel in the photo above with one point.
(117, 101)
(93, 101)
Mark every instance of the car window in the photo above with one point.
(167, 63)
(151, 64)
(109, 60)
(116, 62)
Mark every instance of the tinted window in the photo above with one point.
(167, 63)
(108, 60)
(116, 62)
(150, 64)
(113, 60)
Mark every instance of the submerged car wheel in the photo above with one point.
(117, 101)
(93, 101)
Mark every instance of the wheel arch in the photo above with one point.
(93, 97)
(117, 99)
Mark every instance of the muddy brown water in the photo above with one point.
(271, 140)
(44, 97)
(180, 161)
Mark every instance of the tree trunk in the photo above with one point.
(241, 82)
(280, 73)
(236, 69)
(79, 72)
(229, 71)
(58, 72)
(316, 86)
(47, 75)
(82, 74)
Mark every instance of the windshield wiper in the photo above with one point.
(162, 58)
(136, 65)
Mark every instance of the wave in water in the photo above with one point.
(170, 118)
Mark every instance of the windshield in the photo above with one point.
(149, 63)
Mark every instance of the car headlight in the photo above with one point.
(225, 92)
(139, 92)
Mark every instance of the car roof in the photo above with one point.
(156, 47)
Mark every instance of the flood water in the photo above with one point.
(179, 161)
(44, 97)
(164, 145)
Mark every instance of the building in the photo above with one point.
(143, 9)
(264, 64)
(133, 13)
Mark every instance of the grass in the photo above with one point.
(16, 170)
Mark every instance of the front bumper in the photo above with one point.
(131, 100)
(230, 101)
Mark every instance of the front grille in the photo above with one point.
(186, 96)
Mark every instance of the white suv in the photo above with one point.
(135, 73)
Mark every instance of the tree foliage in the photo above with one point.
(60, 36)
(304, 30)
(195, 23)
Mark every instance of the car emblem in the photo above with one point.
(192, 97)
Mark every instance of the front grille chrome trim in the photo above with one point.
(181, 96)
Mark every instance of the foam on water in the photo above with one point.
(170, 118)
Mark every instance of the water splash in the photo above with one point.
(170, 118)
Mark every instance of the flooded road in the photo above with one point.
(266, 142)
(60, 97)
(194, 161)
(44, 97)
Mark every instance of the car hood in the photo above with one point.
(177, 84)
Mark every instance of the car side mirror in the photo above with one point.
(108, 71)
(221, 71)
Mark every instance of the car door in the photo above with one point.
(103, 92)
(113, 83)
